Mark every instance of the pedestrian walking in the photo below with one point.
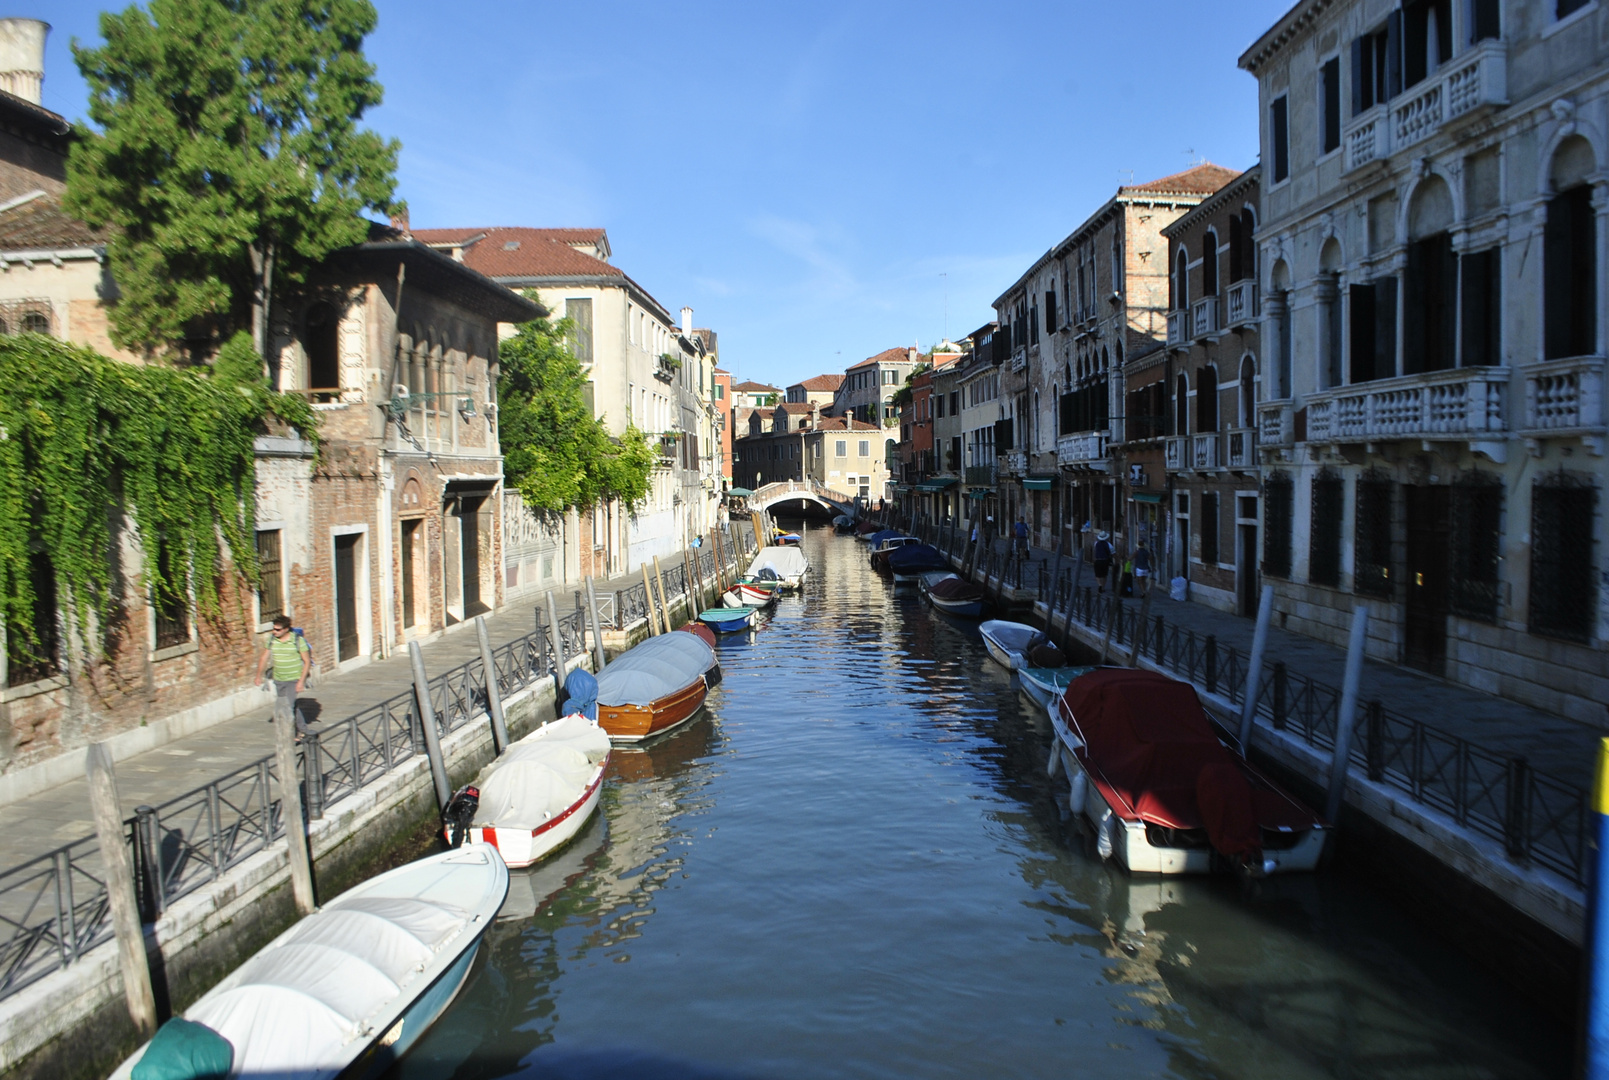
(1022, 536)
(1142, 568)
(290, 659)
(1102, 558)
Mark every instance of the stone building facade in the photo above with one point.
(1201, 401)
(1432, 263)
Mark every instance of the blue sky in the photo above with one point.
(814, 180)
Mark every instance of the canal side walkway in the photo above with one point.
(45, 820)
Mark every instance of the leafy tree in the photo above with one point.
(229, 159)
(554, 450)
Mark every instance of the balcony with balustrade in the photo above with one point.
(1017, 462)
(1084, 449)
(1204, 451)
(1275, 427)
(1204, 319)
(1242, 303)
(1178, 329)
(1564, 399)
(1463, 86)
(1242, 449)
(1174, 452)
(1463, 404)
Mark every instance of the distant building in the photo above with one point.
(754, 395)
(727, 422)
(868, 387)
(794, 440)
(821, 389)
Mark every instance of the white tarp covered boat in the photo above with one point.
(542, 790)
(656, 685)
(348, 989)
(788, 564)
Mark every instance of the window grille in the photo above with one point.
(1208, 524)
(1278, 500)
(172, 605)
(271, 590)
(1564, 595)
(1324, 542)
(1476, 513)
(1371, 571)
(25, 316)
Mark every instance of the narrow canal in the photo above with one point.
(854, 866)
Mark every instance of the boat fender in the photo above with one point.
(459, 812)
(1075, 797)
(1054, 763)
(1103, 834)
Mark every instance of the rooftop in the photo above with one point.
(37, 222)
(897, 355)
(820, 382)
(522, 253)
(1201, 179)
(750, 387)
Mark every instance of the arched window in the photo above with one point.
(1181, 405)
(36, 322)
(1181, 280)
(1209, 264)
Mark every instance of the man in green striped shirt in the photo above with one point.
(291, 660)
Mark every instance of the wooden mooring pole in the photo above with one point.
(494, 693)
(290, 806)
(119, 868)
(664, 601)
(653, 611)
(427, 720)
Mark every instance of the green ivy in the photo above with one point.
(85, 440)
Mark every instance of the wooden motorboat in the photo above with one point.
(865, 529)
(950, 593)
(1162, 791)
(786, 565)
(726, 620)
(843, 523)
(704, 633)
(1047, 684)
(758, 593)
(738, 596)
(655, 686)
(1010, 642)
(347, 990)
(539, 793)
(785, 538)
(909, 562)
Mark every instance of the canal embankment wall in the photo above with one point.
(74, 1023)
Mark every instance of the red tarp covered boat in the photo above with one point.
(1161, 790)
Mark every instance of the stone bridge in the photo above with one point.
(786, 491)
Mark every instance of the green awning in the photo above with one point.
(978, 494)
(1034, 483)
(744, 492)
(936, 485)
(1145, 497)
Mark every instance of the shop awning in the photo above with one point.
(1146, 497)
(740, 492)
(1037, 483)
(978, 493)
(938, 484)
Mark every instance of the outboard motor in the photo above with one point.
(459, 813)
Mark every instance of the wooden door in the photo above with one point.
(469, 545)
(1425, 609)
(346, 596)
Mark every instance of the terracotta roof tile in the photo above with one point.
(42, 223)
(887, 356)
(750, 387)
(821, 382)
(792, 407)
(512, 252)
(1201, 179)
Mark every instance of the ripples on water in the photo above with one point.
(854, 866)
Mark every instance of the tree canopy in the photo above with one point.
(229, 159)
(555, 451)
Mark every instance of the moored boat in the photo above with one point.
(655, 686)
(542, 789)
(1010, 642)
(953, 594)
(347, 990)
(725, 620)
(843, 523)
(738, 596)
(909, 562)
(788, 564)
(1046, 684)
(758, 593)
(1162, 791)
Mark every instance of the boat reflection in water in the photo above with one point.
(509, 1007)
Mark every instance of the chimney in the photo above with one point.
(687, 322)
(22, 57)
(399, 222)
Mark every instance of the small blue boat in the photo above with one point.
(724, 620)
(912, 560)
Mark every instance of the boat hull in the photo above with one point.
(523, 847)
(1011, 661)
(1046, 685)
(966, 609)
(753, 594)
(728, 622)
(381, 1055)
(634, 723)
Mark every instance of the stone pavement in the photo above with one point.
(1553, 744)
(42, 822)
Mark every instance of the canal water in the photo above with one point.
(855, 866)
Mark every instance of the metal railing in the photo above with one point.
(54, 908)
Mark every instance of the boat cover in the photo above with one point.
(787, 562)
(914, 558)
(1014, 637)
(884, 535)
(659, 666)
(955, 588)
(1149, 741)
(294, 1009)
(580, 694)
(542, 775)
(865, 527)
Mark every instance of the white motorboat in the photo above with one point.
(1045, 684)
(348, 989)
(1010, 642)
(542, 789)
(786, 564)
(1162, 792)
